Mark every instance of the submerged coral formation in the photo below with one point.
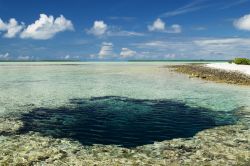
(9, 126)
(227, 145)
(224, 145)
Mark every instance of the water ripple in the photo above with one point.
(122, 121)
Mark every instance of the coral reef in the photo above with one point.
(211, 74)
(225, 145)
(9, 125)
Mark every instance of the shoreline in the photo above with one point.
(210, 73)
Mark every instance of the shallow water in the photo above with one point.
(122, 103)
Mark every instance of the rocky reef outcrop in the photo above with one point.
(225, 145)
(211, 74)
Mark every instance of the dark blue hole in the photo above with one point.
(122, 121)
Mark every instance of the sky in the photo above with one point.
(120, 30)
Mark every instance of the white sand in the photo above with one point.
(231, 67)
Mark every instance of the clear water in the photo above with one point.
(123, 103)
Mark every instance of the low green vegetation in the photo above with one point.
(240, 61)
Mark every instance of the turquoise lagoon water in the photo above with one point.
(122, 103)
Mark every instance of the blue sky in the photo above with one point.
(122, 30)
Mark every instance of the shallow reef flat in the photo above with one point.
(120, 114)
(226, 145)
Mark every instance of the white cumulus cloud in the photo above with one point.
(160, 26)
(99, 28)
(243, 23)
(106, 50)
(47, 27)
(4, 56)
(126, 52)
(67, 57)
(11, 28)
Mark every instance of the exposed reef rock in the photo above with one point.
(9, 126)
(211, 74)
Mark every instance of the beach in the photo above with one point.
(244, 69)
